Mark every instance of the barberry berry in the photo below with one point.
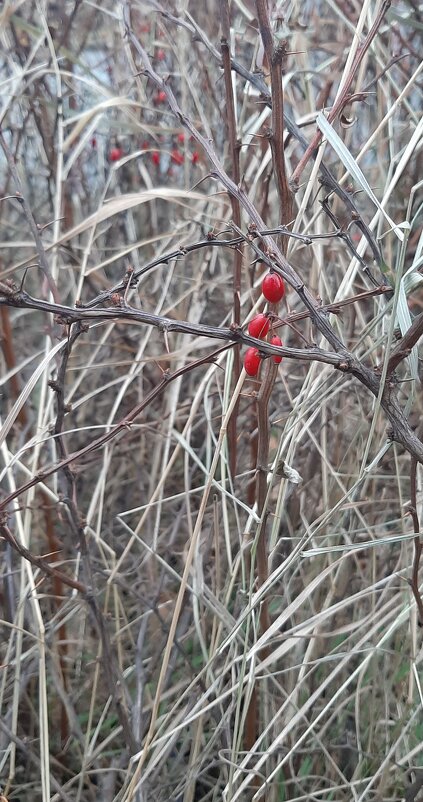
(252, 361)
(273, 288)
(276, 341)
(259, 326)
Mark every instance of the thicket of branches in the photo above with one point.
(210, 580)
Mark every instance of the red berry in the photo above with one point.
(144, 145)
(181, 137)
(160, 97)
(259, 326)
(177, 156)
(115, 154)
(93, 142)
(161, 55)
(276, 341)
(155, 157)
(195, 157)
(273, 288)
(252, 361)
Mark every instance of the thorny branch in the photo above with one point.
(342, 359)
(257, 81)
(279, 263)
(234, 334)
(119, 428)
(214, 241)
(274, 56)
(400, 428)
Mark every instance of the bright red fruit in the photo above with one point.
(177, 156)
(160, 97)
(181, 137)
(161, 55)
(252, 361)
(276, 341)
(273, 288)
(155, 157)
(259, 326)
(195, 157)
(115, 154)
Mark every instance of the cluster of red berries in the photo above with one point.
(273, 290)
(177, 156)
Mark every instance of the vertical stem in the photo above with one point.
(418, 545)
(234, 147)
(252, 718)
(275, 56)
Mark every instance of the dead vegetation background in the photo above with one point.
(208, 594)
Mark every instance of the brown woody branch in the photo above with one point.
(406, 343)
(234, 148)
(275, 56)
(233, 334)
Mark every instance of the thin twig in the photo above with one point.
(406, 344)
(234, 147)
(418, 545)
(20, 196)
(122, 426)
(40, 562)
(343, 95)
